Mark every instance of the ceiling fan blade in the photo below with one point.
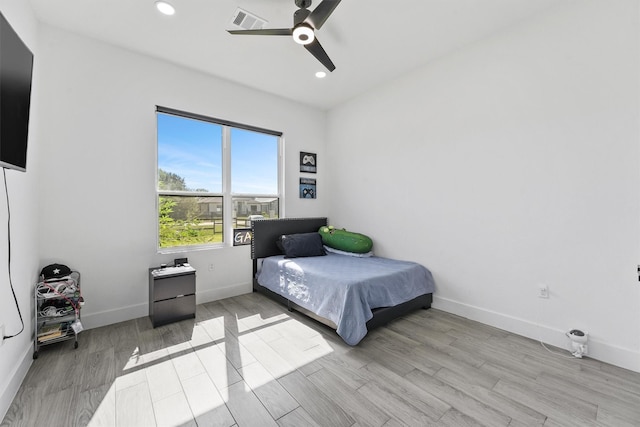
(316, 50)
(321, 13)
(264, 32)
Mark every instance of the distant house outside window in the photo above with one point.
(213, 176)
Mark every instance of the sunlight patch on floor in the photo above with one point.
(224, 363)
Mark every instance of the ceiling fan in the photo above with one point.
(305, 23)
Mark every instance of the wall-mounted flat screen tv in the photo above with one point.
(16, 67)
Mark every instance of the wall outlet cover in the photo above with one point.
(543, 291)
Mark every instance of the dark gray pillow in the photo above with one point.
(302, 245)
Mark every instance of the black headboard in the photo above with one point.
(267, 231)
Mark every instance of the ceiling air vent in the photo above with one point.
(247, 20)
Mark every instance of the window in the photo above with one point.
(213, 176)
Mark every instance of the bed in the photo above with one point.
(352, 295)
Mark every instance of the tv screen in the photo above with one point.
(16, 66)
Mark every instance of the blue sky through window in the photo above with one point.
(192, 149)
(254, 162)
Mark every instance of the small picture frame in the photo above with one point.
(308, 162)
(308, 188)
(242, 236)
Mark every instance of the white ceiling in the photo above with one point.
(370, 42)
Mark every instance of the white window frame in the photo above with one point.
(226, 194)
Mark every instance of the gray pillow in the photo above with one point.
(302, 245)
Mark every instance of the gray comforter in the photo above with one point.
(345, 289)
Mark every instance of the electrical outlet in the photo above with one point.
(543, 291)
(210, 267)
(1, 334)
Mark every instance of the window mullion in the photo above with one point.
(280, 167)
(227, 202)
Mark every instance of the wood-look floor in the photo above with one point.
(246, 361)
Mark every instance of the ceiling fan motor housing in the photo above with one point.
(303, 4)
(300, 15)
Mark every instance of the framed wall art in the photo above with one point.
(307, 188)
(308, 162)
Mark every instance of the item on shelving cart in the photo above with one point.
(67, 286)
(50, 336)
(49, 329)
(55, 271)
(77, 327)
(56, 308)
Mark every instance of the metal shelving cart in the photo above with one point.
(57, 311)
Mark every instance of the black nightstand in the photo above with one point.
(172, 294)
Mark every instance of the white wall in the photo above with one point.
(15, 353)
(511, 163)
(97, 184)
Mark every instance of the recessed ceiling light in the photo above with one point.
(321, 74)
(165, 8)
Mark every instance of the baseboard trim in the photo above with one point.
(605, 352)
(15, 381)
(222, 293)
(109, 317)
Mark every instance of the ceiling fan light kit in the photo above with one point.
(303, 34)
(305, 23)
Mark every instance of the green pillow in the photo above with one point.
(345, 240)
